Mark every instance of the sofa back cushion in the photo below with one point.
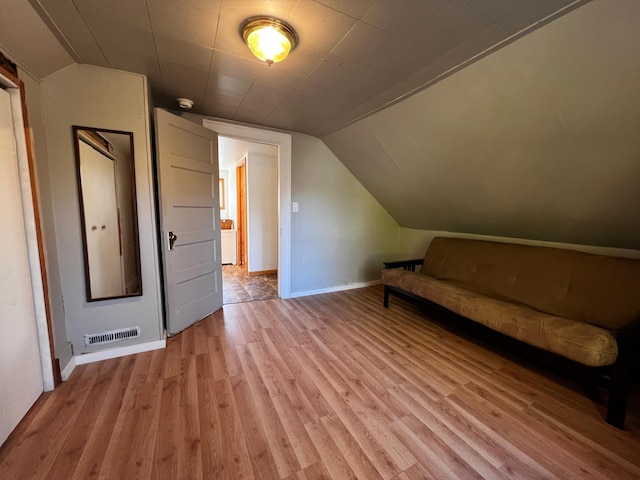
(596, 289)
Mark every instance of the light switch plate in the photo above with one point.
(294, 206)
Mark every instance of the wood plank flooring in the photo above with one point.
(330, 386)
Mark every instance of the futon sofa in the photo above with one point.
(581, 306)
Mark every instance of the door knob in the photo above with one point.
(172, 239)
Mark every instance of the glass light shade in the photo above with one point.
(269, 39)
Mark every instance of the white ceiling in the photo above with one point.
(353, 58)
(25, 39)
(231, 151)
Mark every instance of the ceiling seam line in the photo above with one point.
(213, 52)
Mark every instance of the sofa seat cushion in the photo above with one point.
(582, 342)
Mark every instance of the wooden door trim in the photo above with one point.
(55, 363)
(9, 70)
(241, 227)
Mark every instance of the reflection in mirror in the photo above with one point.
(106, 186)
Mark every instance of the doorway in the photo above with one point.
(282, 142)
(249, 223)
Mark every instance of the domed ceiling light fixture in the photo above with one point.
(269, 39)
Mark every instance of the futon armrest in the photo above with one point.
(405, 264)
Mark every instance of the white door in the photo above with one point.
(189, 219)
(20, 371)
(97, 173)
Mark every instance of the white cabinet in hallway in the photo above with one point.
(228, 245)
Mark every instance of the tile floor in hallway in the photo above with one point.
(239, 286)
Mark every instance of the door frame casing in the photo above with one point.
(50, 370)
(241, 214)
(283, 142)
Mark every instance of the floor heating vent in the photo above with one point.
(111, 336)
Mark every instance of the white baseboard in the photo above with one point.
(68, 369)
(111, 353)
(339, 288)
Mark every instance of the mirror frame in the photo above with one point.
(134, 213)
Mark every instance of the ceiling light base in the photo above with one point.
(269, 39)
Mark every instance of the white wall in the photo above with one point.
(229, 175)
(262, 212)
(231, 212)
(415, 243)
(341, 234)
(108, 99)
(226, 211)
(232, 196)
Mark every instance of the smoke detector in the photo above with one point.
(185, 103)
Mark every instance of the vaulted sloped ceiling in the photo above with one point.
(353, 57)
(538, 140)
(529, 125)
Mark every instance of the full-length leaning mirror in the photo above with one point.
(108, 216)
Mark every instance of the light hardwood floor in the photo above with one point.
(329, 386)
